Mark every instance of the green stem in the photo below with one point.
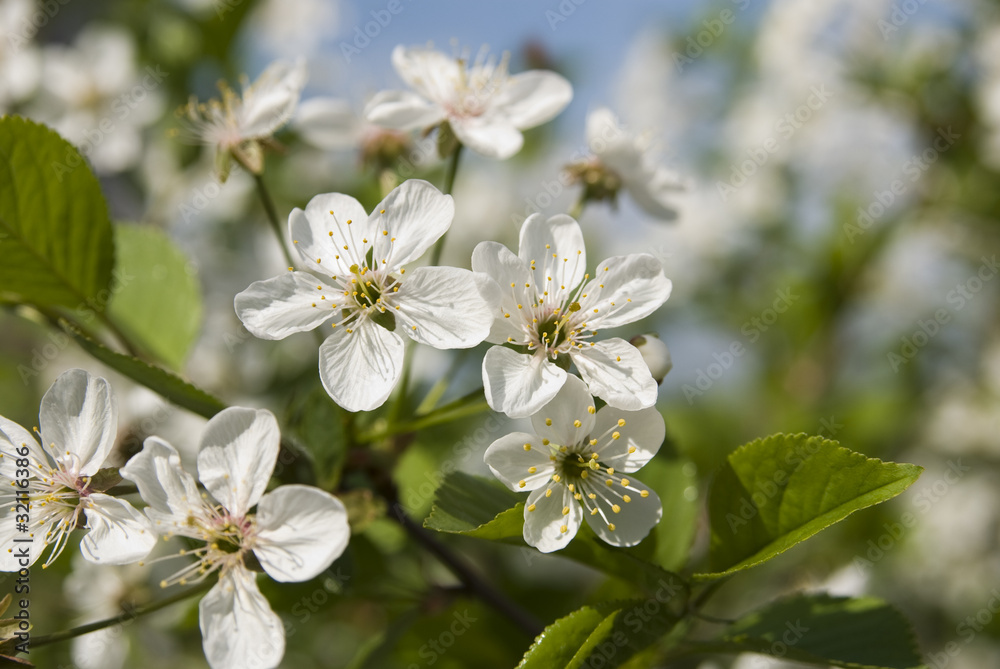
(449, 185)
(272, 217)
(467, 406)
(119, 336)
(577, 211)
(122, 619)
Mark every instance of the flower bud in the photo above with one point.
(655, 354)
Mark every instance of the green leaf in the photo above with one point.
(606, 635)
(862, 633)
(559, 642)
(669, 543)
(776, 492)
(319, 426)
(167, 384)
(476, 507)
(55, 234)
(464, 503)
(157, 302)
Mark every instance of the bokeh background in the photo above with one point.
(839, 229)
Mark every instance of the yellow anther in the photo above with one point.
(548, 421)
(616, 435)
(521, 483)
(621, 422)
(616, 508)
(611, 526)
(624, 483)
(531, 507)
(548, 493)
(532, 470)
(564, 529)
(626, 499)
(565, 510)
(577, 423)
(527, 447)
(591, 410)
(644, 493)
(631, 449)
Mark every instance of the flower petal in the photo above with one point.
(408, 222)
(551, 522)
(13, 437)
(403, 110)
(359, 368)
(603, 131)
(554, 247)
(519, 384)
(512, 457)
(624, 289)
(328, 123)
(638, 439)
(270, 102)
(237, 455)
(301, 530)
(557, 420)
(119, 534)
(653, 188)
(79, 419)
(614, 371)
(170, 492)
(493, 137)
(446, 307)
(320, 237)
(634, 518)
(238, 627)
(512, 275)
(289, 303)
(532, 98)
(431, 73)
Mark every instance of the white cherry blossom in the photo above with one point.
(574, 466)
(79, 419)
(622, 160)
(238, 124)
(296, 533)
(486, 107)
(551, 308)
(358, 281)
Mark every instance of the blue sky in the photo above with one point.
(591, 41)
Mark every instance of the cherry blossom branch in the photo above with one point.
(469, 578)
(123, 618)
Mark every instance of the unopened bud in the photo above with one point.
(655, 354)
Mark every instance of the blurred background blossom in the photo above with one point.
(840, 223)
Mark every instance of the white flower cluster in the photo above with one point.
(296, 532)
(541, 307)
